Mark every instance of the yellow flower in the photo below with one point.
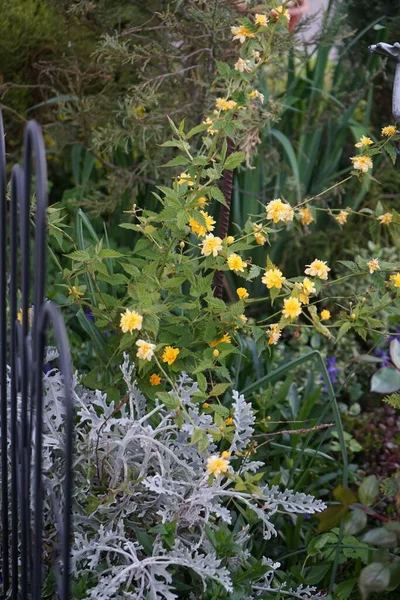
(362, 163)
(241, 33)
(291, 308)
(243, 318)
(255, 94)
(202, 201)
(306, 216)
(364, 141)
(318, 268)
(229, 421)
(341, 218)
(242, 66)
(155, 379)
(242, 293)
(170, 354)
(279, 211)
(210, 123)
(259, 235)
(145, 349)
(274, 333)
(74, 291)
(385, 219)
(261, 20)
(224, 104)
(225, 454)
(235, 263)
(185, 178)
(217, 465)
(373, 265)
(211, 245)
(131, 320)
(306, 288)
(200, 229)
(273, 278)
(30, 315)
(396, 279)
(389, 130)
(325, 315)
(226, 339)
(215, 353)
(230, 240)
(205, 405)
(280, 11)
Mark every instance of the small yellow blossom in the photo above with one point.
(362, 163)
(341, 218)
(211, 245)
(261, 20)
(353, 316)
(226, 339)
(280, 11)
(185, 178)
(235, 263)
(210, 124)
(318, 268)
(242, 293)
(202, 201)
(386, 218)
(215, 353)
(170, 354)
(182, 245)
(256, 55)
(396, 279)
(259, 235)
(279, 211)
(216, 465)
(205, 405)
(229, 421)
(364, 141)
(291, 308)
(200, 229)
(306, 216)
(241, 33)
(389, 130)
(145, 349)
(130, 320)
(243, 66)
(305, 288)
(225, 453)
(243, 318)
(325, 315)
(273, 278)
(373, 265)
(224, 104)
(274, 332)
(30, 315)
(255, 94)
(155, 379)
(74, 291)
(230, 240)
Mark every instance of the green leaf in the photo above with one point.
(331, 517)
(177, 161)
(373, 578)
(79, 255)
(355, 522)
(343, 330)
(380, 537)
(171, 401)
(234, 160)
(344, 495)
(219, 388)
(108, 253)
(395, 352)
(368, 491)
(385, 381)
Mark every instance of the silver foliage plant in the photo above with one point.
(135, 469)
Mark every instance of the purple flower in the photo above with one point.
(395, 337)
(332, 369)
(380, 353)
(47, 367)
(89, 314)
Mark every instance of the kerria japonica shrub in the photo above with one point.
(149, 505)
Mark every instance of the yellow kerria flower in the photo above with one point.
(170, 354)
(229, 421)
(210, 123)
(235, 263)
(224, 104)
(325, 315)
(185, 178)
(243, 318)
(281, 11)
(242, 293)
(291, 308)
(396, 279)
(306, 216)
(215, 353)
(364, 141)
(341, 218)
(362, 163)
(241, 33)
(259, 235)
(200, 229)
(318, 268)
(155, 379)
(385, 219)
(274, 332)
(205, 405)
(226, 339)
(216, 465)
(230, 240)
(225, 454)
(273, 278)
(306, 288)
(373, 265)
(243, 66)
(211, 245)
(255, 94)
(279, 211)
(261, 20)
(202, 201)
(145, 350)
(130, 320)
(74, 291)
(389, 130)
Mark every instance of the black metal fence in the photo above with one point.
(22, 347)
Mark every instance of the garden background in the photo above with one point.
(224, 244)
